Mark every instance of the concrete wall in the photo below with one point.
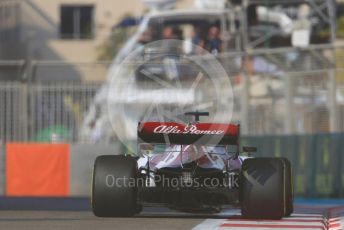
(82, 157)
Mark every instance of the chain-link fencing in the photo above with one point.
(280, 91)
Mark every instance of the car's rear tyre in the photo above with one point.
(113, 192)
(263, 188)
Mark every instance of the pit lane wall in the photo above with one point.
(37, 169)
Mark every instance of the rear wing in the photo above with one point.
(200, 133)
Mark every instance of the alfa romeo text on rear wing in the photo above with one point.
(200, 133)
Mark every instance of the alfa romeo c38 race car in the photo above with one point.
(194, 167)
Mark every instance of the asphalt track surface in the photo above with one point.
(53, 213)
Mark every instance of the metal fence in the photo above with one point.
(12, 104)
(43, 112)
(280, 91)
(290, 91)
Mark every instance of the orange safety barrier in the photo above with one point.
(37, 169)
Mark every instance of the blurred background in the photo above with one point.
(285, 61)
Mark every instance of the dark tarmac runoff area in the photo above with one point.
(74, 213)
(86, 220)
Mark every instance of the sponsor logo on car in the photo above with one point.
(191, 129)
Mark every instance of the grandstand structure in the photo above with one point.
(270, 44)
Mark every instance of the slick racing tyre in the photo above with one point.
(265, 191)
(113, 192)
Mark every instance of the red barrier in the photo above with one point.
(37, 169)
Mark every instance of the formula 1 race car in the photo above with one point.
(194, 167)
